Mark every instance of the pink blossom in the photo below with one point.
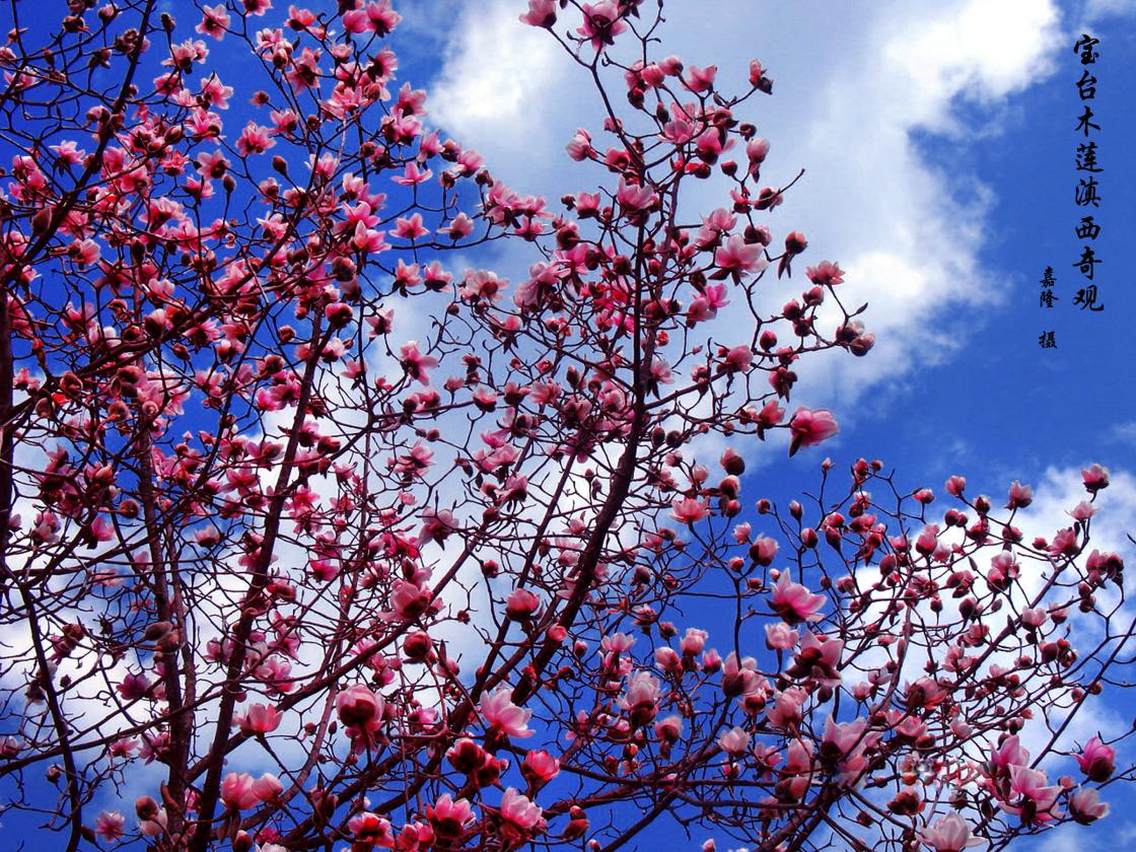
(449, 818)
(780, 637)
(809, 428)
(1097, 760)
(1030, 796)
(794, 602)
(688, 510)
(237, 791)
(503, 716)
(735, 742)
(1086, 807)
(110, 825)
(258, 719)
(415, 363)
(950, 833)
(541, 13)
(540, 766)
(737, 257)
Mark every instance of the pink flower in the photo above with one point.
(1085, 806)
(521, 604)
(694, 642)
(1097, 760)
(738, 359)
(1009, 753)
(541, 13)
(361, 711)
(737, 257)
(780, 637)
(214, 21)
(259, 719)
(378, 17)
(1032, 799)
(688, 510)
(109, 825)
(635, 199)
(950, 833)
(1095, 478)
(1020, 496)
(521, 818)
(237, 791)
(449, 818)
(540, 766)
(503, 716)
(254, 139)
(602, 23)
(267, 787)
(415, 363)
(370, 829)
(794, 602)
(810, 428)
(735, 742)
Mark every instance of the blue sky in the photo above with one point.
(939, 141)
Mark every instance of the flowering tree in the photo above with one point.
(312, 537)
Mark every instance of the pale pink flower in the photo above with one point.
(503, 716)
(794, 602)
(237, 791)
(811, 427)
(735, 742)
(1097, 760)
(521, 818)
(738, 257)
(1086, 807)
(110, 825)
(689, 510)
(950, 833)
(258, 719)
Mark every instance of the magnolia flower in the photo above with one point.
(540, 766)
(1085, 805)
(258, 719)
(780, 637)
(503, 716)
(449, 818)
(1033, 799)
(521, 818)
(689, 510)
(1097, 760)
(810, 428)
(735, 742)
(794, 602)
(738, 257)
(237, 791)
(950, 833)
(110, 825)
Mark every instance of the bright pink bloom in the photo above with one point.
(258, 719)
(110, 825)
(950, 833)
(811, 427)
(738, 257)
(521, 818)
(503, 716)
(794, 602)
(688, 510)
(237, 791)
(1086, 807)
(1097, 760)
